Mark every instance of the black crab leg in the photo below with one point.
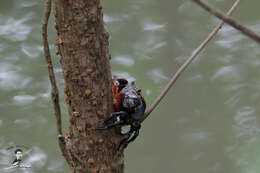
(134, 136)
(115, 114)
(108, 126)
(125, 141)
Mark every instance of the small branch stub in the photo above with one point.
(91, 160)
(76, 114)
(93, 170)
(88, 92)
(58, 41)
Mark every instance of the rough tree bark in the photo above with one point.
(82, 43)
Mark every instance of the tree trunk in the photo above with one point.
(82, 43)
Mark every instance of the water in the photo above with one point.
(209, 122)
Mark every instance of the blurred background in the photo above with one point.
(209, 121)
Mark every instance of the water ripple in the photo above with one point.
(233, 100)
(15, 29)
(256, 27)
(10, 78)
(124, 60)
(31, 50)
(153, 27)
(2, 47)
(235, 87)
(187, 6)
(23, 123)
(24, 99)
(37, 158)
(246, 122)
(195, 77)
(28, 4)
(245, 114)
(148, 92)
(159, 45)
(46, 94)
(55, 165)
(198, 136)
(111, 19)
(125, 75)
(229, 38)
(157, 76)
(229, 73)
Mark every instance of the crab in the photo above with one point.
(130, 107)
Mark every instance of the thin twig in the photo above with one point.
(246, 31)
(185, 65)
(54, 91)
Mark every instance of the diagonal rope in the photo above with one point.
(185, 65)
